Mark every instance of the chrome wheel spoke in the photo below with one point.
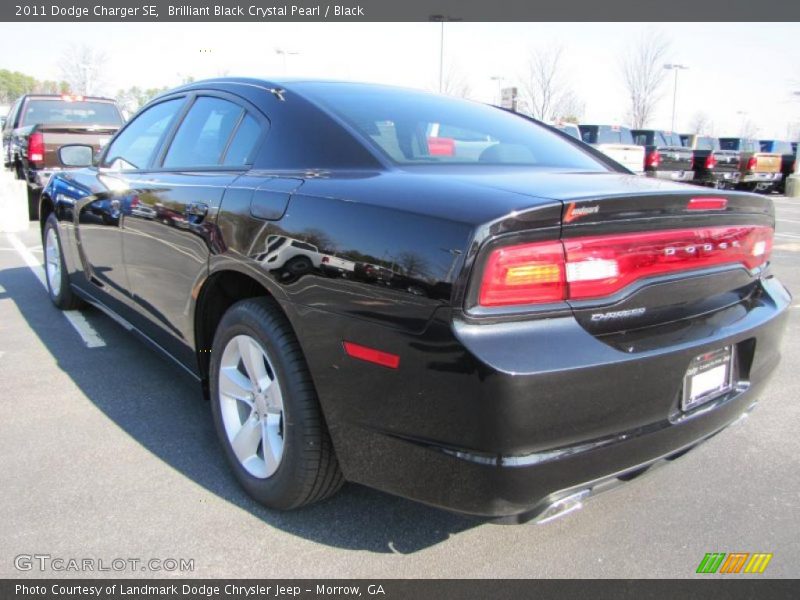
(253, 359)
(245, 442)
(235, 385)
(273, 441)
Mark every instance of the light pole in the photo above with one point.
(742, 114)
(284, 53)
(676, 68)
(441, 20)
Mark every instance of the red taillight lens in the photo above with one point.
(751, 164)
(653, 159)
(711, 162)
(526, 274)
(596, 267)
(36, 148)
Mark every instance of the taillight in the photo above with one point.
(440, 146)
(36, 148)
(653, 159)
(527, 274)
(711, 162)
(751, 164)
(595, 267)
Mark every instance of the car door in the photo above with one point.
(170, 232)
(101, 212)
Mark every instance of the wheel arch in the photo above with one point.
(222, 289)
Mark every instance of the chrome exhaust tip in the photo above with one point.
(563, 506)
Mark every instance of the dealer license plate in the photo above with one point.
(709, 376)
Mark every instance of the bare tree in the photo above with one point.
(545, 92)
(83, 68)
(701, 124)
(455, 82)
(748, 129)
(643, 73)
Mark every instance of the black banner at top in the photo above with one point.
(398, 10)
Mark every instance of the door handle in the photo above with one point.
(197, 209)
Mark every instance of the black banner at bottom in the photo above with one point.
(390, 589)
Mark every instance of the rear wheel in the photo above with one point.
(266, 411)
(55, 270)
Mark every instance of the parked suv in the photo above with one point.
(665, 156)
(760, 171)
(712, 166)
(39, 125)
(615, 142)
(787, 151)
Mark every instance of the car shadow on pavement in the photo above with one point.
(150, 400)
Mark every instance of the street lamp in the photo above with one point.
(676, 68)
(441, 19)
(284, 53)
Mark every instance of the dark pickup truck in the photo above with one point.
(760, 171)
(38, 126)
(665, 157)
(787, 150)
(712, 166)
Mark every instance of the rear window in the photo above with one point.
(672, 139)
(84, 112)
(606, 134)
(707, 143)
(412, 127)
(777, 147)
(729, 143)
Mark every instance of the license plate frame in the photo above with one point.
(709, 376)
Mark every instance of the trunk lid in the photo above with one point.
(658, 220)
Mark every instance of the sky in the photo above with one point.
(737, 71)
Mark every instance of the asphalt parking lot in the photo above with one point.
(106, 451)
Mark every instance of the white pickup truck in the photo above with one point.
(617, 143)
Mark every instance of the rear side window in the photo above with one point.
(243, 145)
(204, 133)
(134, 147)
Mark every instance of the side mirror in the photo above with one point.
(76, 155)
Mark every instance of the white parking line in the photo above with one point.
(89, 336)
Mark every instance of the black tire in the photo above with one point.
(63, 297)
(33, 204)
(308, 470)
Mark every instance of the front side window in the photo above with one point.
(204, 133)
(134, 147)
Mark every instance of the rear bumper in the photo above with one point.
(672, 175)
(715, 177)
(501, 420)
(761, 177)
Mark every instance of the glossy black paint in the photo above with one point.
(490, 412)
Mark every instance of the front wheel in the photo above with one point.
(55, 270)
(266, 410)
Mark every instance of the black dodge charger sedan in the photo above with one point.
(425, 295)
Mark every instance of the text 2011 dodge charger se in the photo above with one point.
(429, 296)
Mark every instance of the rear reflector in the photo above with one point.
(599, 266)
(707, 204)
(371, 355)
(439, 146)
